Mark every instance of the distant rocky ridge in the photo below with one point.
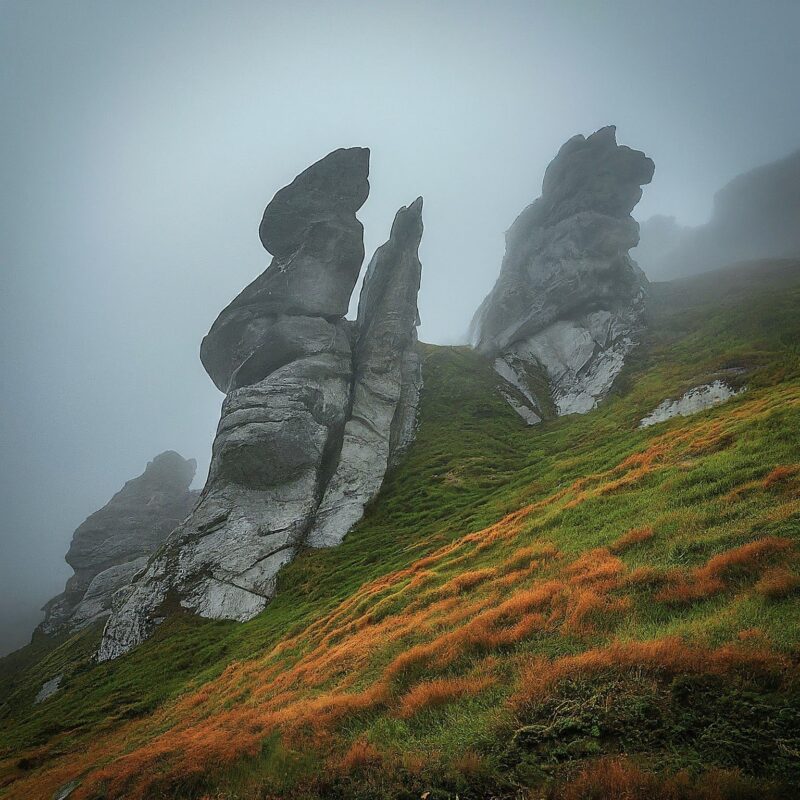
(317, 407)
(755, 216)
(114, 543)
(566, 307)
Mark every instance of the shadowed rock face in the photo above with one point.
(303, 384)
(112, 545)
(569, 296)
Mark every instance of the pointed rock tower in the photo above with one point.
(317, 407)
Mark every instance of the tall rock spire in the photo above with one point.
(296, 375)
(387, 380)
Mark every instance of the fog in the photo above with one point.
(141, 142)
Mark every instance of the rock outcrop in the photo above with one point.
(317, 407)
(696, 399)
(567, 304)
(113, 544)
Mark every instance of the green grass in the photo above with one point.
(473, 462)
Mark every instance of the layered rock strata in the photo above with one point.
(317, 407)
(568, 301)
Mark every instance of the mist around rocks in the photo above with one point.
(141, 142)
(756, 215)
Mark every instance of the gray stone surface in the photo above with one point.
(317, 242)
(569, 297)
(96, 603)
(387, 380)
(114, 542)
(699, 398)
(65, 791)
(49, 688)
(317, 407)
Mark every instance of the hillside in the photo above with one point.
(575, 609)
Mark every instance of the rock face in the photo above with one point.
(317, 407)
(113, 544)
(567, 303)
(387, 380)
(49, 688)
(317, 242)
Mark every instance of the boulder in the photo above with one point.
(317, 242)
(387, 380)
(569, 297)
(694, 400)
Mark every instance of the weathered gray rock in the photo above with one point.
(387, 380)
(699, 398)
(311, 229)
(569, 297)
(113, 544)
(96, 602)
(308, 394)
(66, 790)
(49, 688)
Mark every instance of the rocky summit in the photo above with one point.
(566, 307)
(113, 544)
(317, 407)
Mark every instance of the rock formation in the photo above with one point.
(113, 544)
(387, 380)
(567, 303)
(317, 407)
(696, 399)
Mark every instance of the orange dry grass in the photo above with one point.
(631, 538)
(531, 556)
(586, 608)
(361, 754)
(780, 475)
(620, 778)
(308, 683)
(714, 577)
(777, 583)
(467, 580)
(669, 655)
(439, 691)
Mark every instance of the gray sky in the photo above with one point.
(141, 141)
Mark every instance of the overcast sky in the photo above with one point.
(140, 142)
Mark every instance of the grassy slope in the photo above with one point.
(493, 625)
